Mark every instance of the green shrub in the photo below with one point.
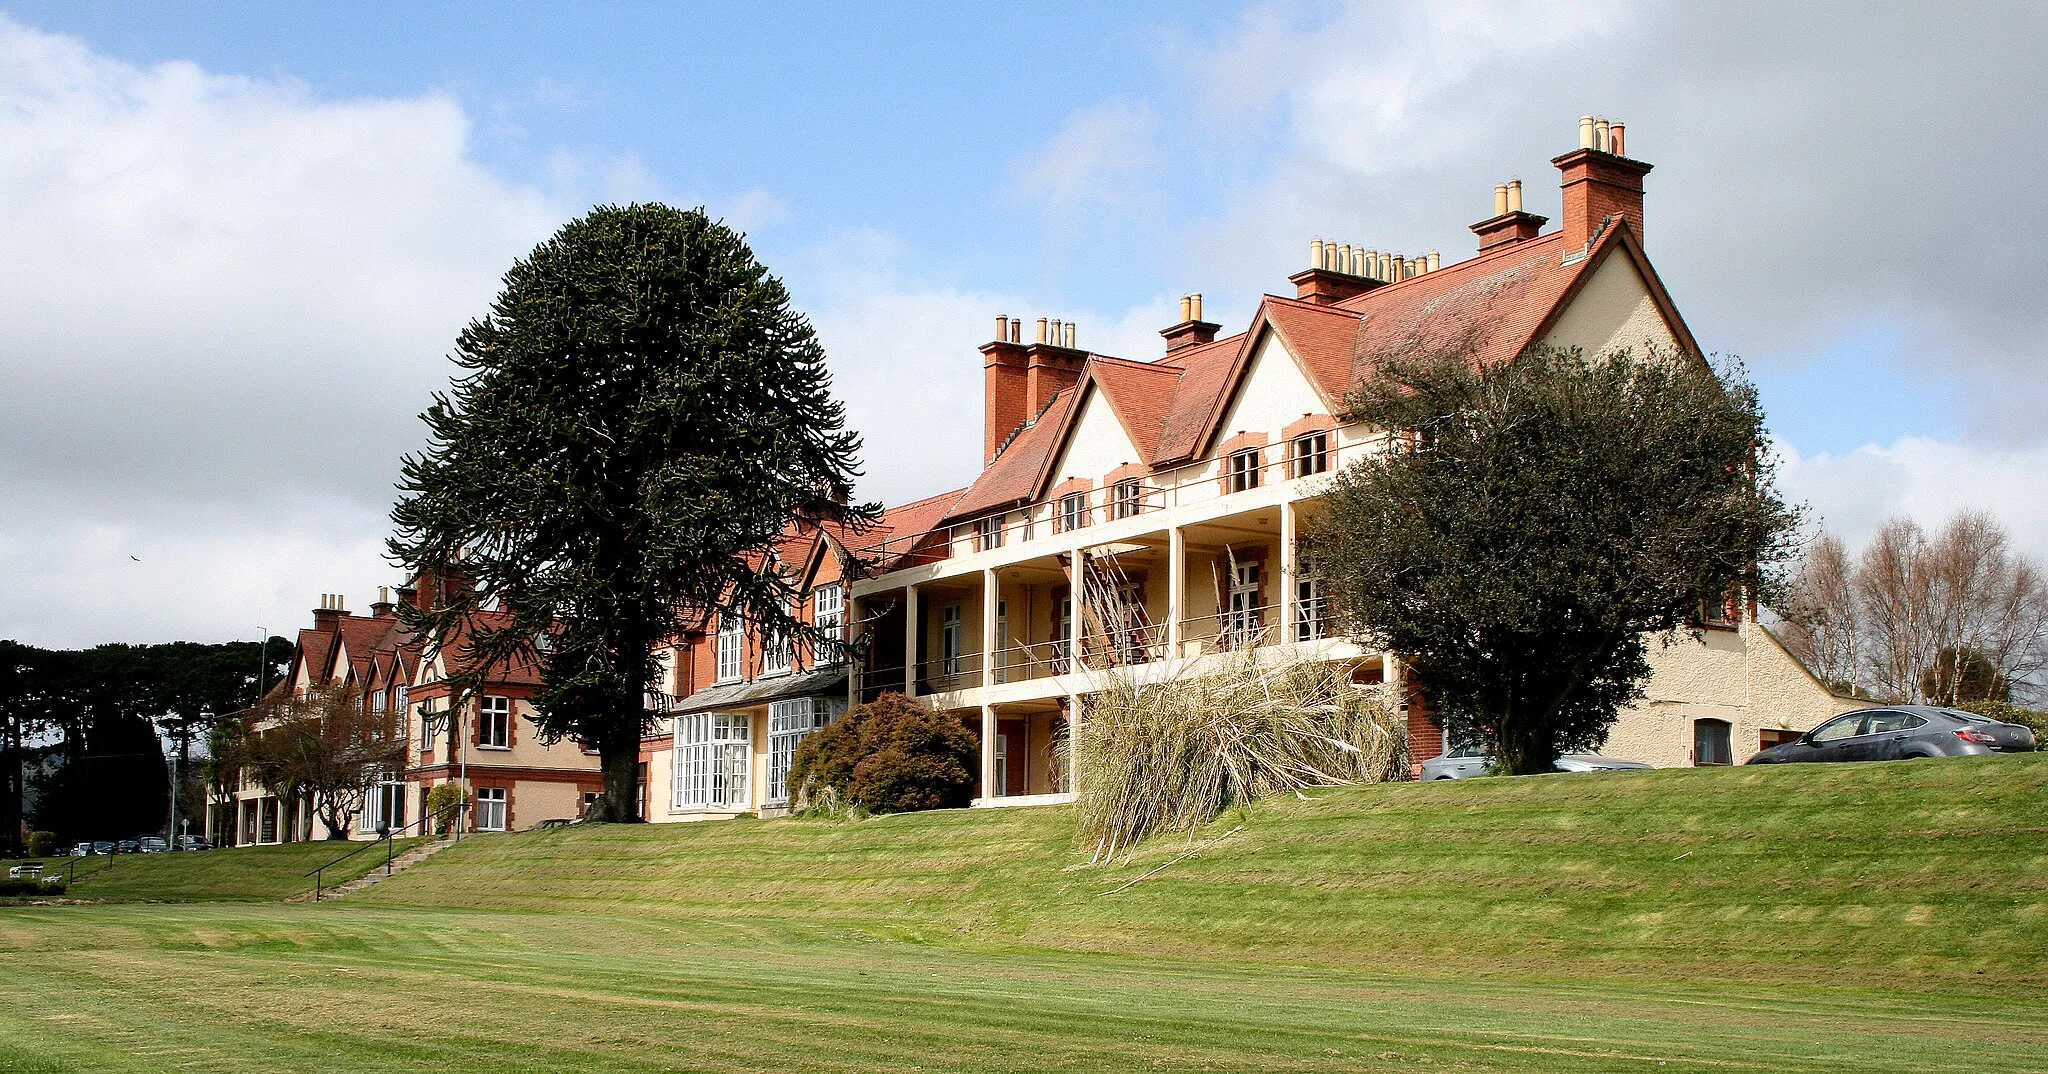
(891, 755)
(10, 888)
(42, 844)
(444, 802)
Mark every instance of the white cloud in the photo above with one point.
(227, 300)
(1927, 480)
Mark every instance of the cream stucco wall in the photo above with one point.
(1274, 394)
(1095, 445)
(1614, 310)
(1744, 677)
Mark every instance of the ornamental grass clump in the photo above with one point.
(1172, 756)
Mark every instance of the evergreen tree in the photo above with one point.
(1535, 520)
(639, 416)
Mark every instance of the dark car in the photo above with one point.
(1897, 732)
(102, 846)
(128, 846)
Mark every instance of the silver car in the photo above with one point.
(1898, 732)
(1473, 760)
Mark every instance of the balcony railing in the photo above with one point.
(1191, 483)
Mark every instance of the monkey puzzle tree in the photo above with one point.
(642, 413)
(1537, 520)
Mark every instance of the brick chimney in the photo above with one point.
(433, 585)
(1052, 365)
(1600, 182)
(330, 613)
(1192, 331)
(1004, 382)
(382, 607)
(1508, 222)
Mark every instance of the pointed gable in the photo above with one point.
(1139, 393)
(1093, 443)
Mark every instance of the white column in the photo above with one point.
(988, 752)
(910, 641)
(1077, 630)
(852, 633)
(1176, 588)
(1289, 568)
(989, 596)
(1391, 676)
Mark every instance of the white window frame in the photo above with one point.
(713, 759)
(1311, 609)
(1002, 653)
(1244, 470)
(1127, 498)
(775, 654)
(494, 722)
(1073, 512)
(788, 722)
(1312, 453)
(988, 533)
(1002, 764)
(950, 635)
(492, 809)
(828, 617)
(1241, 621)
(731, 647)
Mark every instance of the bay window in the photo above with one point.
(712, 758)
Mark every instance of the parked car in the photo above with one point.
(127, 846)
(193, 842)
(1465, 761)
(1897, 732)
(102, 846)
(152, 844)
(81, 850)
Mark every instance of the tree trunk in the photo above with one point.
(1524, 750)
(619, 754)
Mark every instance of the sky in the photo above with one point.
(238, 240)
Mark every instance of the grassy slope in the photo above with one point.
(237, 873)
(1871, 874)
(1822, 918)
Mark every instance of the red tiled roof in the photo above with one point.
(1139, 393)
(1199, 395)
(1016, 473)
(1501, 299)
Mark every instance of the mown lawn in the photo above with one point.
(1804, 918)
(352, 988)
(254, 874)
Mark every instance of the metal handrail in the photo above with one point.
(319, 877)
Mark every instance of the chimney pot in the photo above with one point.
(1599, 183)
(1586, 132)
(1187, 308)
(1514, 195)
(1070, 335)
(1017, 330)
(1002, 327)
(1434, 262)
(1315, 254)
(1614, 133)
(1198, 307)
(1500, 198)
(1041, 329)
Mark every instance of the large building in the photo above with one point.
(488, 743)
(1168, 490)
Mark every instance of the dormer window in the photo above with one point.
(1073, 512)
(1244, 470)
(1311, 454)
(1127, 498)
(731, 637)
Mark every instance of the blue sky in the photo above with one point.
(244, 234)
